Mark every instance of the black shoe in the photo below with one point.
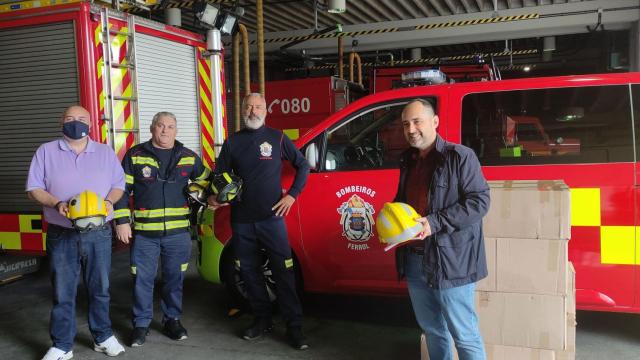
(297, 339)
(257, 329)
(139, 336)
(174, 330)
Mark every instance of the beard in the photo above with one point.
(253, 121)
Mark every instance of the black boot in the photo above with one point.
(139, 336)
(174, 330)
(257, 329)
(296, 338)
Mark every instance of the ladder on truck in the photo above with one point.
(113, 101)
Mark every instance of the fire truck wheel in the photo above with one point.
(235, 284)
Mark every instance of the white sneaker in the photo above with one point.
(111, 347)
(56, 354)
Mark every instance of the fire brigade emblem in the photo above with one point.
(356, 218)
(146, 171)
(265, 149)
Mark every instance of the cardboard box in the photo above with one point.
(529, 209)
(571, 289)
(522, 320)
(489, 283)
(565, 355)
(501, 352)
(532, 266)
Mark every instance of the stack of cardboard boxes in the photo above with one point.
(526, 305)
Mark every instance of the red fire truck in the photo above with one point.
(121, 67)
(297, 105)
(354, 155)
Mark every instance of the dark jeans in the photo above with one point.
(175, 251)
(271, 234)
(71, 252)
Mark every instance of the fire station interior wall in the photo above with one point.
(38, 80)
(167, 82)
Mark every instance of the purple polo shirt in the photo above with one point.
(57, 169)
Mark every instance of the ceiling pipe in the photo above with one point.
(260, 26)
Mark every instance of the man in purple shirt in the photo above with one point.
(59, 170)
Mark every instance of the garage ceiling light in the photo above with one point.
(228, 24)
(337, 6)
(208, 15)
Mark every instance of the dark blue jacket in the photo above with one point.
(159, 200)
(256, 157)
(454, 254)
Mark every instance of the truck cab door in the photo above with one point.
(356, 171)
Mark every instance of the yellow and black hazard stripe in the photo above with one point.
(431, 60)
(492, 20)
(155, 4)
(471, 22)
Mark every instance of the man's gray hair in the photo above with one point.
(157, 117)
(427, 104)
(244, 100)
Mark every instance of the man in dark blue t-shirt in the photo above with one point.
(255, 154)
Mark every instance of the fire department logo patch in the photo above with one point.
(146, 171)
(265, 149)
(356, 218)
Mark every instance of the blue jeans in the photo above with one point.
(443, 312)
(175, 251)
(71, 252)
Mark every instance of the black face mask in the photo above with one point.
(75, 129)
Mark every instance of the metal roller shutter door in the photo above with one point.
(38, 79)
(167, 82)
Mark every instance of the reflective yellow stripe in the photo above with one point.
(205, 174)
(176, 224)
(128, 179)
(288, 263)
(190, 160)
(227, 177)
(143, 160)
(133, 270)
(184, 267)
(121, 213)
(154, 213)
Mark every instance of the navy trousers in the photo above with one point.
(270, 234)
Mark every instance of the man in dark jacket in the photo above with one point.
(443, 181)
(157, 172)
(255, 154)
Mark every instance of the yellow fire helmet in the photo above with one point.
(226, 187)
(196, 192)
(396, 224)
(87, 211)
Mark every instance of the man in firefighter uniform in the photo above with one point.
(157, 173)
(61, 170)
(255, 155)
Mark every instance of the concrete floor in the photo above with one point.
(338, 327)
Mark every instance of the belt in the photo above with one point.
(62, 228)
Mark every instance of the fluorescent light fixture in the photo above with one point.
(228, 24)
(337, 6)
(208, 15)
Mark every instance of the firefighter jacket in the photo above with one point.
(160, 205)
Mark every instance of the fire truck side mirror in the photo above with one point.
(311, 153)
